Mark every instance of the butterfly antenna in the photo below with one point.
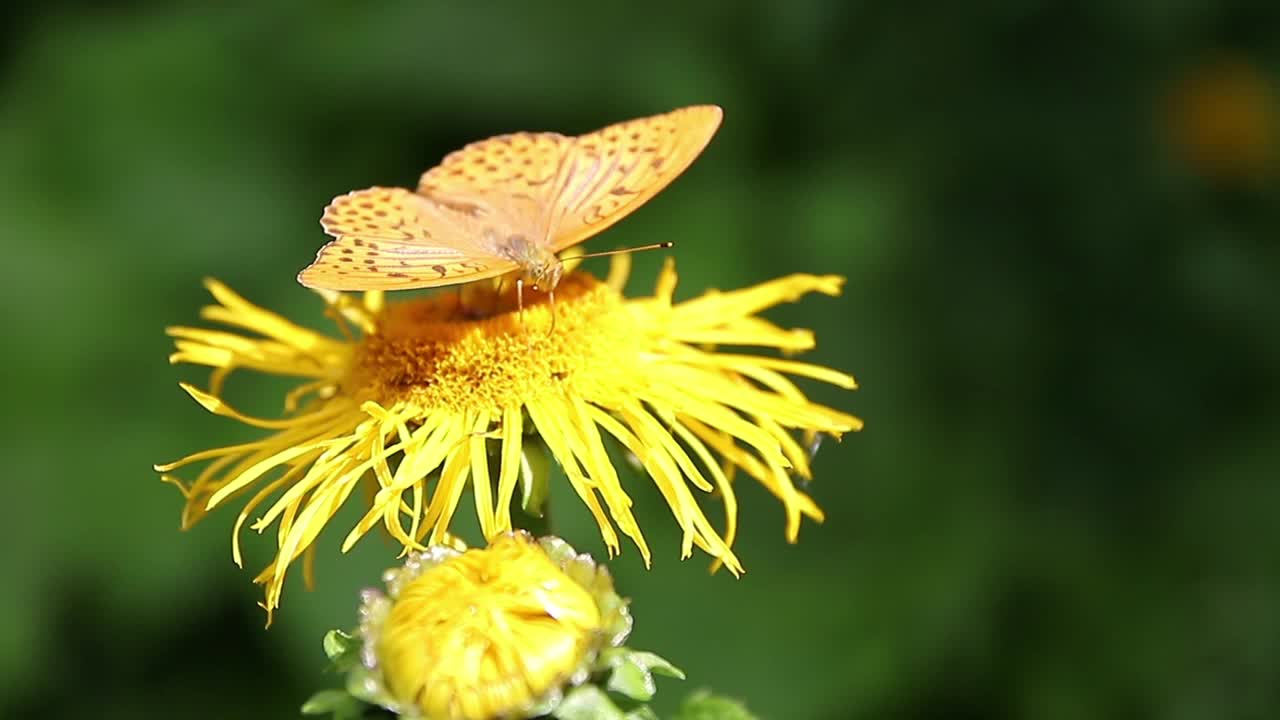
(621, 251)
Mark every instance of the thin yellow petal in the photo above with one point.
(427, 448)
(665, 287)
(711, 388)
(751, 365)
(249, 476)
(253, 503)
(216, 406)
(619, 271)
(682, 400)
(585, 442)
(444, 501)
(727, 495)
(749, 301)
(509, 472)
(661, 468)
(786, 339)
(206, 455)
(238, 312)
(699, 530)
(480, 487)
(544, 421)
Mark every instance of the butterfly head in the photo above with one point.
(539, 267)
(544, 275)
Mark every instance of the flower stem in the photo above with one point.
(537, 525)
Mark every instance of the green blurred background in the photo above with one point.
(1059, 222)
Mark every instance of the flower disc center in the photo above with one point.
(433, 352)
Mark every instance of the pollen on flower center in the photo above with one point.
(432, 352)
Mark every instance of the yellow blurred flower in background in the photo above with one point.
(1222, 119)
(415, 399)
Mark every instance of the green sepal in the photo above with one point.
(588, 702)
(338, 704)
(342, 649)
(632, 672)
(364, 685)
(702, 705)
(326, 701)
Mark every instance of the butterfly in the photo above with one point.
(505, 204)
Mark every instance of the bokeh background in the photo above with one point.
(1060, 226)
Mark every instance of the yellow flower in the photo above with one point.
(433, 385)
(486, 633)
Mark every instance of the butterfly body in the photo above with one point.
(504, 205)
(539, 267)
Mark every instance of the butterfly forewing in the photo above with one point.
(522, 165)
(613, 171)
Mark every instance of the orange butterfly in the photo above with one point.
(504, 204)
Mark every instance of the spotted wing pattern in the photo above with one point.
(613, 171)
(518, 165)
(548, 188)
(390, 238)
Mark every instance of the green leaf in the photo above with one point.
(633, 672)
(702, 705)
(341, 648)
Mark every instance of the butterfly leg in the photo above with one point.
(520, 299)
(520, 304)
(551, 294)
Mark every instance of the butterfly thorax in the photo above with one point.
(539, 267)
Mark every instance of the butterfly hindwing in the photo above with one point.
(390, 238)
(363, 263)
(378, 212)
